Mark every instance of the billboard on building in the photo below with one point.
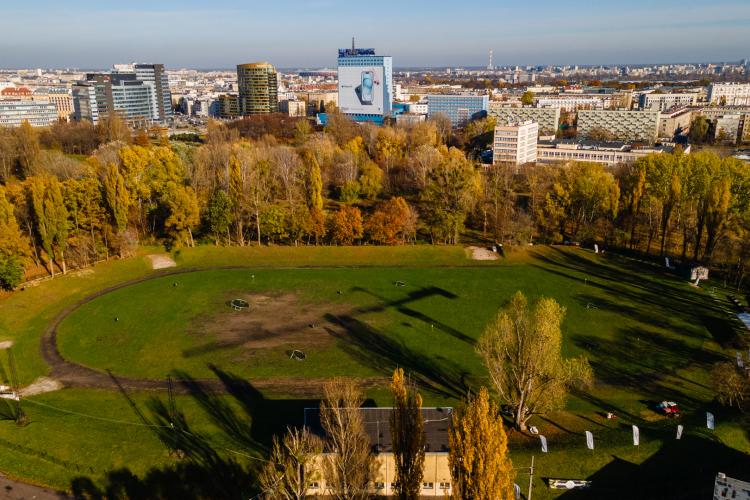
(361, 89)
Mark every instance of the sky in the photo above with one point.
(306, 33)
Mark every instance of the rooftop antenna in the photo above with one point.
(490, 66)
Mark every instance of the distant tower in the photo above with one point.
(490, 66)
(353, 45)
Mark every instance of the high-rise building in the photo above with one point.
(459, 108)
(258, 85)
(155, 75)
(101, 94)
(515, 143)
(365, 84)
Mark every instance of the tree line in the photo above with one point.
(76, 193)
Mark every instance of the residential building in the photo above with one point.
(319, 101)
(547, 118)
(229, 106)
(663, 102)
(417, 108)
(13, 112)
(436, 480)
(365, 84)
(607, 153)
(16, 93)
(716, 113)
(459, 108)
(409, 118)
(628, 126)
(62, 98)
(674, 121)
(728, 488)
(293, 108)
(258, 85)
(729, 94)
(727, 128)
(515, 143)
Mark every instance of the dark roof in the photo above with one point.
(378, 426)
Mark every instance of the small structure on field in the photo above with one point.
(239, 304)
(298, 355)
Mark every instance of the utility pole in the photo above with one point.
(531, 477)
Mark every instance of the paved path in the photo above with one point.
(13, 490)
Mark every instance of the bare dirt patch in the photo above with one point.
(161, 261)
(40, 386)
(477, 253)
(271, 321)
(6, 344)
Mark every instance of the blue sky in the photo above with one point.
(306, 33)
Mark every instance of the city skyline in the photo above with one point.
(87, 34)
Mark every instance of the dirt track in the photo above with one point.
(71, 374)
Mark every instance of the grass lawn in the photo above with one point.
(649, 336)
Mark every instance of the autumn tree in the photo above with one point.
(184, 214)
(237, 197)
(698, 130)
(14, 246)
(51, 218)
(731, 384)
(219, 215)
(346, 225)
(478, 457)
(451, 192)
(393, 222)
(521, 349)
(117, 197)
(291, 470)
(28, 150)
(527, 99)
(407, 436)
(348, 467)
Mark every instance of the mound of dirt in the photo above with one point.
(477, 253)
(270, 321)
(161, 261)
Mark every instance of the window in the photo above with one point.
(445, 486)
(314, 485)
(428, 486)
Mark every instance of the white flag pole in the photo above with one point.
(710, 420)
(679, 431)
(636, 436)
(589, 440)
(544, 443)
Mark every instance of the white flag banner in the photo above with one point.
(636, 436)
(666, 261)
(710, 420)
(544, 443)
(517, 491)
(740, 361)
(679, 431)
(589, 440)
(596, 248)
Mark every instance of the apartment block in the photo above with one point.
(13, 112)
(729, 94)
(664, 102)
(515, 143)
(628, 126)
(547, 118)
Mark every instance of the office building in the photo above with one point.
(628, 126)
(365, 84)
(101, 95)
(13, 112)
(606, 153)
(729, 94)
(258, 86)
(664, 102)
(515, 143)
(547, 118)
(156, 76)
(436, 478)
(62, 98)
(459, 108)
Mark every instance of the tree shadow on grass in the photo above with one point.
(683, 469)
(380, 352)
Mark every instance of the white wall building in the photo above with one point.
(629, 126)
(38, 113)
(726, 488)
(515, 143)
(663, 102)
(729, 94)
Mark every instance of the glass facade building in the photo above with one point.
(258, 85)
(365, 85)
(460, 108)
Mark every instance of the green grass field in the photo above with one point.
(649, 336)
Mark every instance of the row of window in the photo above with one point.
(381, 486)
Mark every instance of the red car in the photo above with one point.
(669, 408)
